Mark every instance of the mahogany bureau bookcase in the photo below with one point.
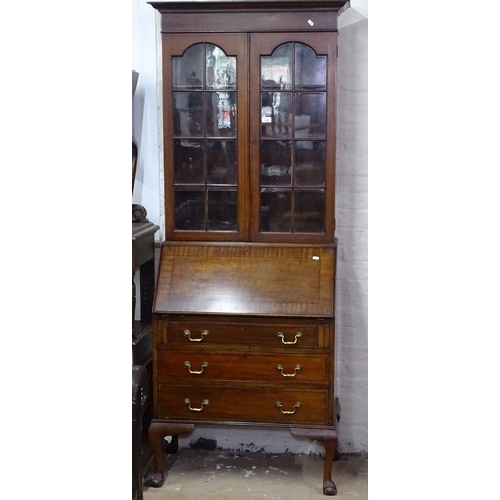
(243, 315)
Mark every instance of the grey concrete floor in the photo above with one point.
(200, 474)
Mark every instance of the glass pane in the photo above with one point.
(276, 162)
(309, 214)
(310, 163)
(221, 114)
(188, 69)
(275, 210)
(221, 162)
(222, 210)
(276, 70)
(221, 69)
(188, 114)
(276, 113)
(310, 69)
(190, 209)
(310, 115)
(188, 162)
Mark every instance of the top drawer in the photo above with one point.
(291, 335)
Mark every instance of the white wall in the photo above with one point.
(352, 232)
(145, 116)
(352, 224)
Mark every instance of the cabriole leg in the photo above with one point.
(329, 440)
(156, 432)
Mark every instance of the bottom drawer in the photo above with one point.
(244, 404)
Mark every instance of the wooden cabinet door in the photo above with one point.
(205, 93)
(292, 136)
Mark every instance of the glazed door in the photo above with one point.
(292, 136)
(205, 92)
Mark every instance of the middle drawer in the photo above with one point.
(271, 368)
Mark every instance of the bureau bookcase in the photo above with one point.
(243, 316)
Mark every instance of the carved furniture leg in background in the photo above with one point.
(329, 440)
(156, 432)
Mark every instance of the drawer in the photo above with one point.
(291, 335)
(269, 368)
(244, 404)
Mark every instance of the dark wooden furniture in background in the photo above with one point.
(243, 317)
(143, 255)
(140, 397)
(143, 261)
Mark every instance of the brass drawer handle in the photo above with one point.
(286, 412)
(282, 337)
(187, 364)
(203, 403)
(297, 368)
(187, 334)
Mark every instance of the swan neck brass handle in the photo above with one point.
(204, 403)
(204, 365)
(282, 337)
(288, 412)
(297, 368)
(187, 334)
